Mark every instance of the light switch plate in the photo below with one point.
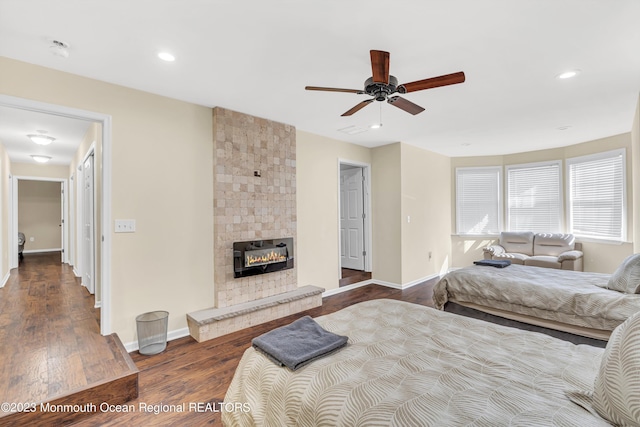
(125, 226)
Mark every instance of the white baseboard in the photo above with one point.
(41, 251)
(378, 282)
(5, 279)
(345, 288)
(75, 272)
(171, 335)
(98, 304)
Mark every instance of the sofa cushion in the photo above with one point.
(546, 261)
(553, 244)
(616, 392)
(514, 258)
(520, 242)
(626, 278)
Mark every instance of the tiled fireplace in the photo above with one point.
(254, 201)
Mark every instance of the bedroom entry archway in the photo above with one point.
(105, 195)
(354, 217)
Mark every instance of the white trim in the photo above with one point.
(97, 304)
(37, 251)
(171, 335)
(105, 121)
(421, 280)
(389, 284)
(346, 288)
(5, 279)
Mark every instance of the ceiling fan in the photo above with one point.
(381, 86)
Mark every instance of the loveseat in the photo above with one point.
(549, 250)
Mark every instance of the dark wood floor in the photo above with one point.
(50, 342)
(350, 276)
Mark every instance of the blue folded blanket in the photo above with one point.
(298, 343)
(499, 263)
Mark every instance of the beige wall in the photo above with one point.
(599, 257)
(162, 160)
(386, 202)
(40, 214)
(37, 170)
(317, 171)
(5, 170)
(425, 188)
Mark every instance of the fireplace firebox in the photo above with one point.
(262, 256)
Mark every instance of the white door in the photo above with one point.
(88, 257)
(352, 218)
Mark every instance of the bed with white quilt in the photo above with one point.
(411, 365)
(587, 304)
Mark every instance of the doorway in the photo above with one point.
(354, 222)
(39, 211)
(103, 203)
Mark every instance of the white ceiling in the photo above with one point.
(257, 56)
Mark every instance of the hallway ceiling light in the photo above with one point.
(166, 56)
(41, 139)
(568, 74)
(40, 159)
(59, 48)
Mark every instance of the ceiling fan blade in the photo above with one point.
(405, 105)
(447, 79)
(358, 107)
(334, 89)
(380, 66)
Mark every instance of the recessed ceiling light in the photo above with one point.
(376, 126)
(563, 127)
(40, 159)
(166, 56)
(41, 139)
(568, 74)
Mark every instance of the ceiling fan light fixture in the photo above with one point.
(41, 139)
(40, 158)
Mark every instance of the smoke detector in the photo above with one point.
(59, 48)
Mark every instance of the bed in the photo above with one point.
(570, 301)
(409, 365)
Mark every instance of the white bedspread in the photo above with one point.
(410, 365)
(571, 297)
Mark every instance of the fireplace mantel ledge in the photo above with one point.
(214, 314)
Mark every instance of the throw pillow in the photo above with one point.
(626, 278)
(616, 394)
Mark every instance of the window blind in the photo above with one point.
(597, 196)
(534, 199)
(478, 200)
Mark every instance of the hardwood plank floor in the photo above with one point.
(188, 372)
(50, 342)
(350, 276)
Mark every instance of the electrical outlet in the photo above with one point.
(125, 226)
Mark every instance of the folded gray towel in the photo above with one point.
(298, 343)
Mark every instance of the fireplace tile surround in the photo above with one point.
(254, 184)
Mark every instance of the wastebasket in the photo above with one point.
(152, 332)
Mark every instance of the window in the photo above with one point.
(534, 197)
(597, 195)
(478, 200)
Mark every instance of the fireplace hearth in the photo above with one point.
(262, 256)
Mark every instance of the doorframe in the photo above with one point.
(368, 230)
(105, 199)
(13, 225)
